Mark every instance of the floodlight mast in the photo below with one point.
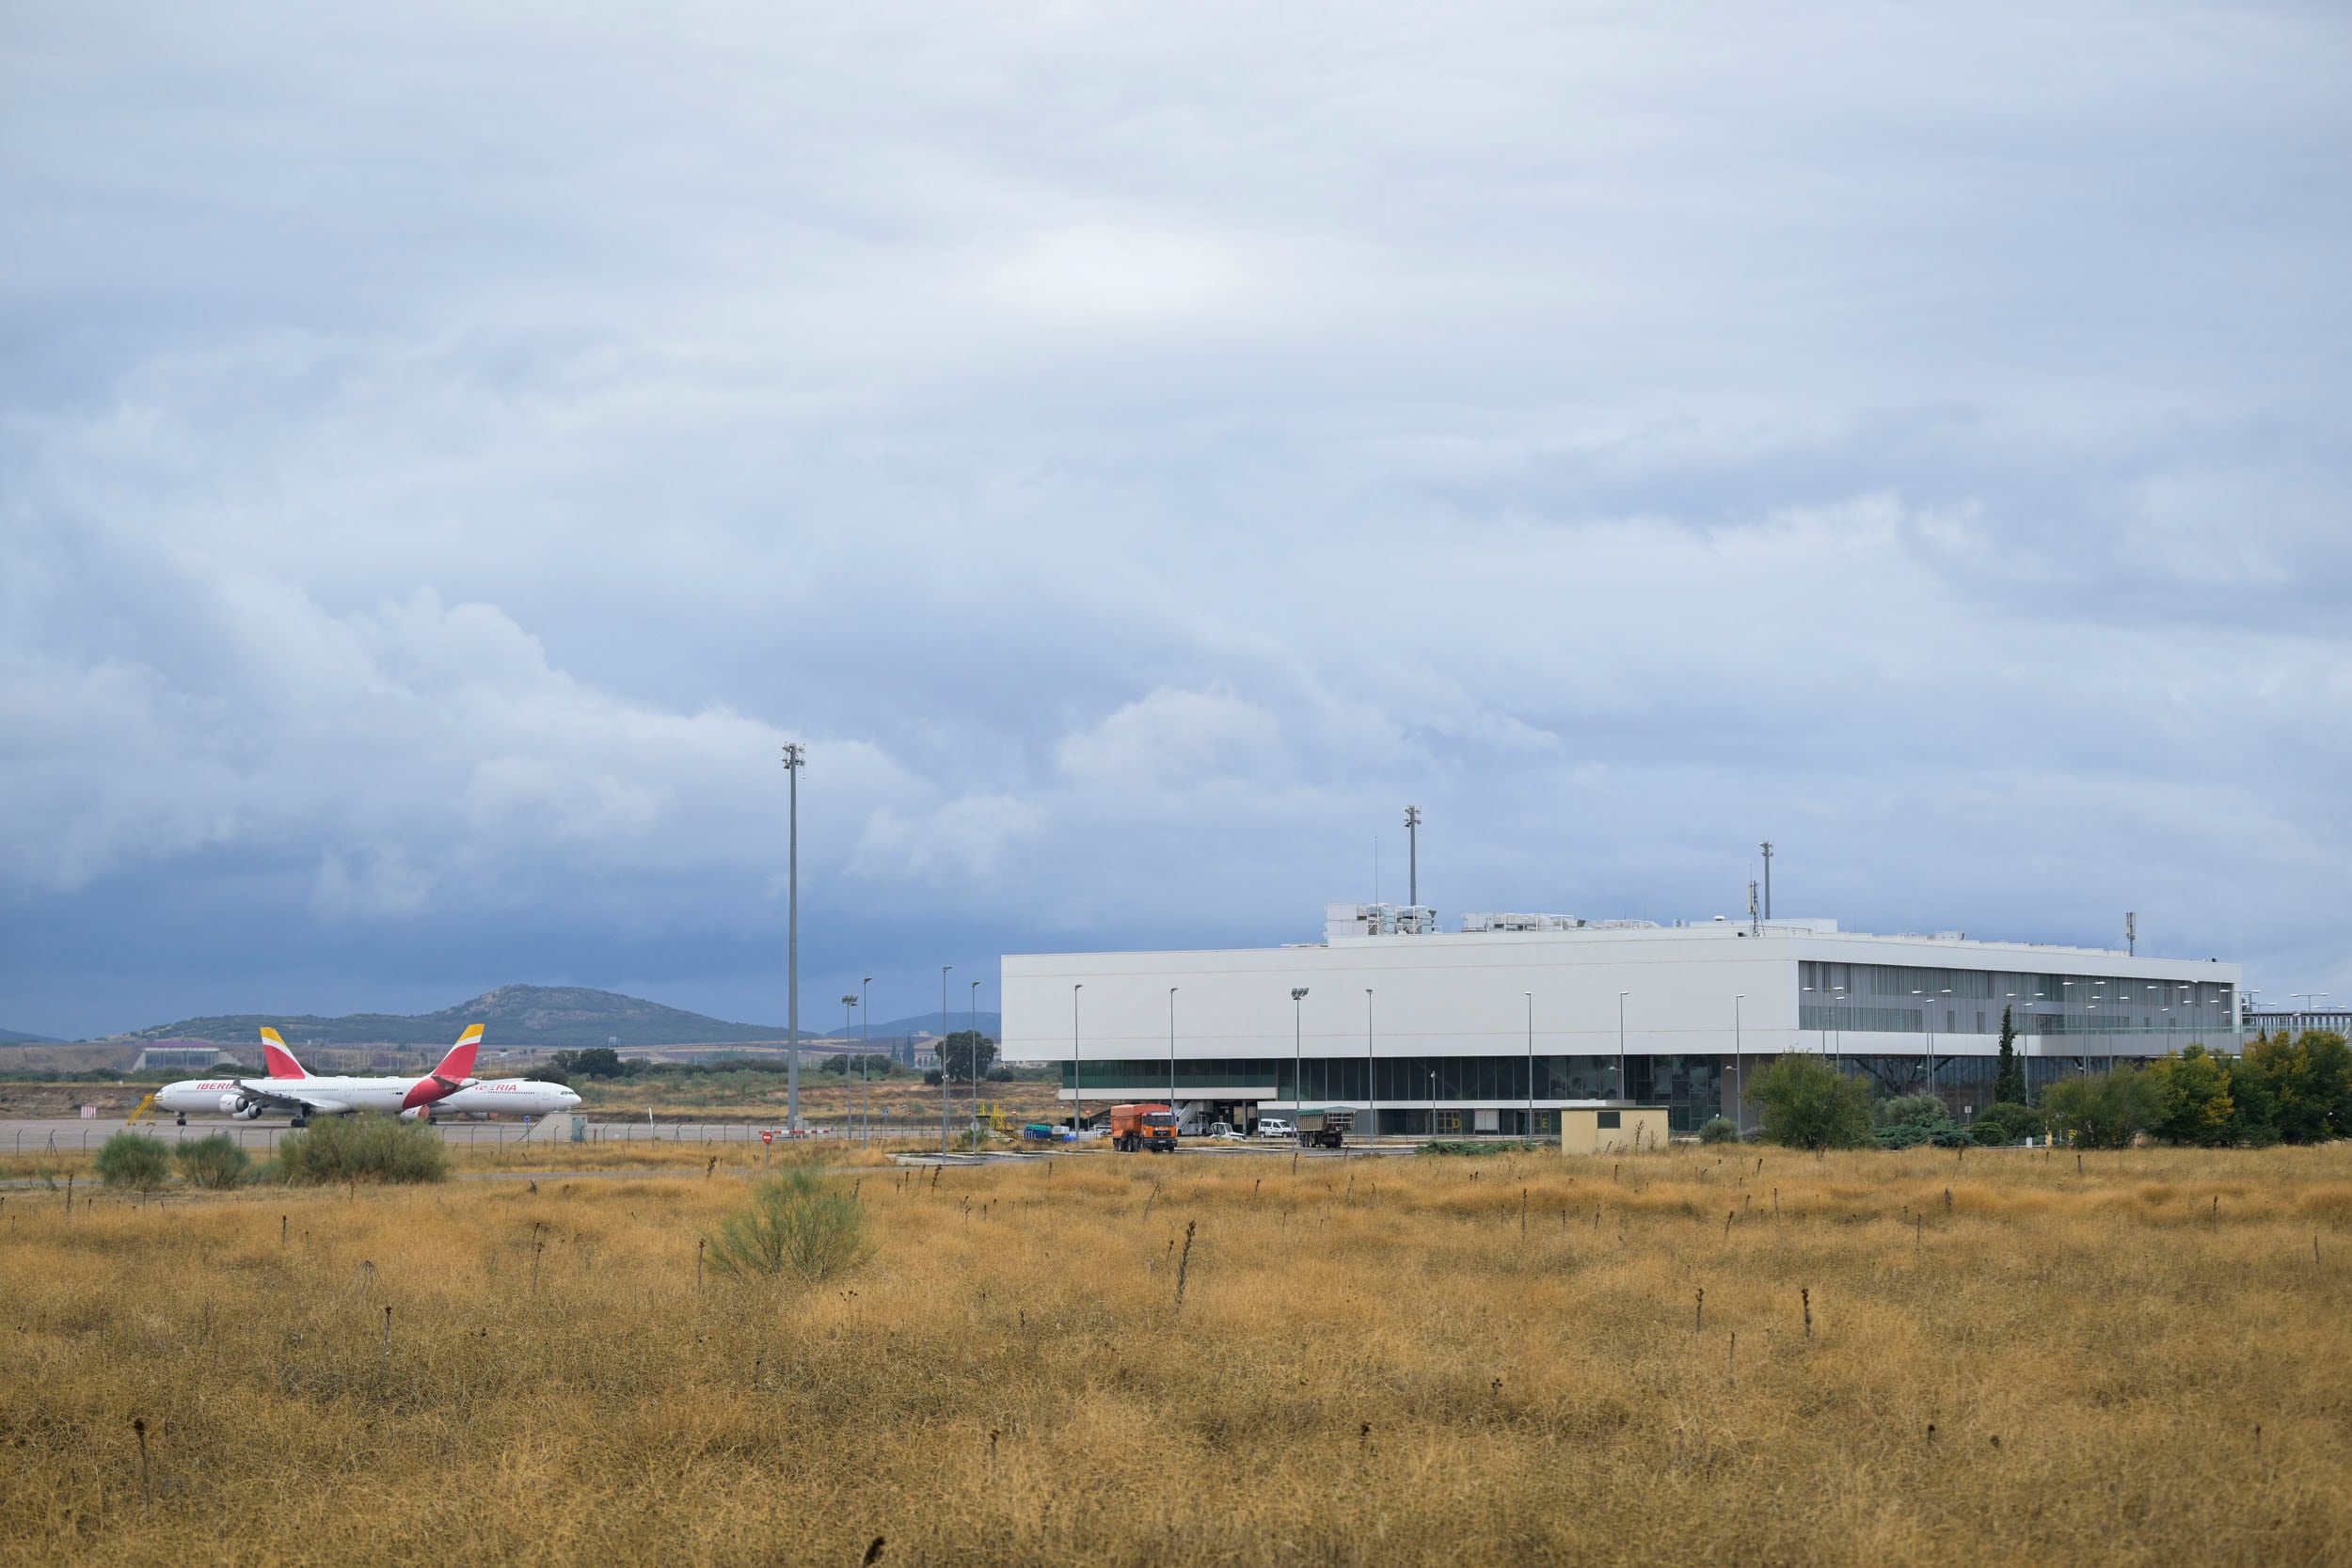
(1298, 1053)
(794, 760)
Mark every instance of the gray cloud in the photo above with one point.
(444, 456)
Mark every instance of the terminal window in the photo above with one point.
(1610, 1119)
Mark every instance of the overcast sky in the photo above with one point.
(444, 456)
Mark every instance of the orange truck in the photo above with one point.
(1134, 1127)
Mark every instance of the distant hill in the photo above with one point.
(548, 1017)
(9, 1037)
(992, 1025)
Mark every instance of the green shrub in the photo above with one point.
(798, 1226)
(135, 1160)
(215, 1162)
(2004, 1123)
(1719, 1130)
(1807, 1104)
(363, 1148)
(2105, 1111)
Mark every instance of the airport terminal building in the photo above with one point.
(1494, 1027)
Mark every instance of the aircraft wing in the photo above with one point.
(254, 1091)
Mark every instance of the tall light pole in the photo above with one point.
(1768, 879)
(1372, 1073)
(976, 1063)
(2302, 1015)
(1947, 991)
(1412, 856)
(847, 1003)
(943, 1057)
(1621, 996)
(1077, 1068)
(1171, 1061)
(794, 760)
(864, 1038)
(1531, 1062)
(1926, 1035)
(1739, 1062)
(1299, 1052)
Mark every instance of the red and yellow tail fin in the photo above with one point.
(458, 1065)
(275, 1055)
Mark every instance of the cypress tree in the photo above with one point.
(2009, 1084)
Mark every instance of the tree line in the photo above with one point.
(2285, 1088)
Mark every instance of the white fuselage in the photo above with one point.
(506, 1097)
(337, 1096)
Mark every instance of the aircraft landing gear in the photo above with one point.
(298, 1123)
(182, 1120)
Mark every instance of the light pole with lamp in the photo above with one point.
(942, 1056)
(975, 1066)
(864, 1040)
(1530, 1063)
(1621, 996)
(849, 1004)
(2302, 1015)
(1171, 1061)
(1946, 992)
(1371, 1074)
(1077, 1067)
(1927, 1036)
(1299, 1054)
(1739, 1070)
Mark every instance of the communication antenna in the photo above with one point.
(1768, 879)
(1755, 926)
(1412, 856)
(2131, 934)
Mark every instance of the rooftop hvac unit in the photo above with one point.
(1494, 922)
(1378, 920)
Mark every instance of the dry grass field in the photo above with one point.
(1375, 1361)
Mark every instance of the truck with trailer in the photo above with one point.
(1134, 1127)
(1323, 1129)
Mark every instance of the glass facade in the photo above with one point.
(1897, 999)
(1690, 1086)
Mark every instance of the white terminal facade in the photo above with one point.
(1494, 1027)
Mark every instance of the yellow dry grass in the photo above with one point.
(1375, 1362)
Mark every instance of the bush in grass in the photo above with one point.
(2004, 1123)
(1908, 1121)
(2107, 1110)
(1807, 1103)
(135, 1160)
(363, 1148)
(1718, 1130)
(799, 1226)
(215, 1162)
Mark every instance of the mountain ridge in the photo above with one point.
(542, 1017)
(554, 1017)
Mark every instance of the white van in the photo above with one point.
(1275, 1127)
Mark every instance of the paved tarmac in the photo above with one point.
(64, 1134)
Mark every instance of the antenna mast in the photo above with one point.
(1412, 856)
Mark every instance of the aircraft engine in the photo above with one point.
(230, 1105)
(413, 1112)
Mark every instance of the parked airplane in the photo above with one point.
(288, 1087)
